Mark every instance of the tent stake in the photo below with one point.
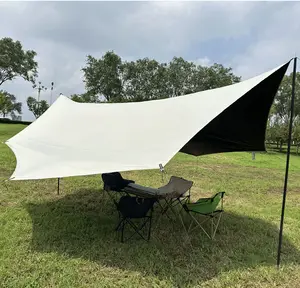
(287, 162)
(58, 186)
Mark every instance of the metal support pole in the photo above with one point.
(287, 162)
(58, 185)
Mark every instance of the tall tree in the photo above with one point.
(282, 107)
(272, 131)
(186, 77)
(282, 101)
(144, 79)
(296, 134)
(104, 76)
(9, 104)
(217, 76)
(37, 107)
(85, 97)
(16, 62)
(182, 77)
(147, 79)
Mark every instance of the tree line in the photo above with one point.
(278, 122)
(111, 79)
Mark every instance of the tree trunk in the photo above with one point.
(281, 143)
(297, 148)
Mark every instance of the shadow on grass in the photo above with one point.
(82, 225)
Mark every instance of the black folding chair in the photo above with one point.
(114, 182)
(135, 208)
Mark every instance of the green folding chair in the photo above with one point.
(208, 208)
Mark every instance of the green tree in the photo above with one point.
(217, 76)
(182, 77)
(143, 80)
(147, 79)
(282, 101)
(8, 104)
(77, 98)
(277, 131)
(186, 77)
(296, 134)
(85, 97)
(16, 62)
(273, 127)
(104, 76)
(37, 107)
(282, 107)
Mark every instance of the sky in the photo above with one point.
(250, 37)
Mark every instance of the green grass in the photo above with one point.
(67, 240)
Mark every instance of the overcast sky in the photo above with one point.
(251, 37)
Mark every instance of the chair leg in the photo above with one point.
(150, 224)
(166, 207)
(160, 214)
(212, 227)
(120, 222)
(199, 224)
(122, 233)
(217, 225)
(137, 229)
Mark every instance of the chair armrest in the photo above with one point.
(200, 200)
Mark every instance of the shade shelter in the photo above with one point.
(72, 139)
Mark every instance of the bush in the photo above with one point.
(9, 121)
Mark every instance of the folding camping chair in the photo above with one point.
(176, 191)
(114, 182)
(206, 207)
(131, 208)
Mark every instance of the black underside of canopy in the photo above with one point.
(242, 126)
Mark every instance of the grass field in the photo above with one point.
(67, 240)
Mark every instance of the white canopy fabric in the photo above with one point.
(72, 139)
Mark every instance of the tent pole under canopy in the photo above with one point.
(58, 181)
(287, 162)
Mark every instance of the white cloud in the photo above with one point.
(276, 43)
(203, 61)
(63, 33)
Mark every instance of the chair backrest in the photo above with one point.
(215, 200)
(206, 205)
(135, 207)
(176, 186)
(113, 181)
